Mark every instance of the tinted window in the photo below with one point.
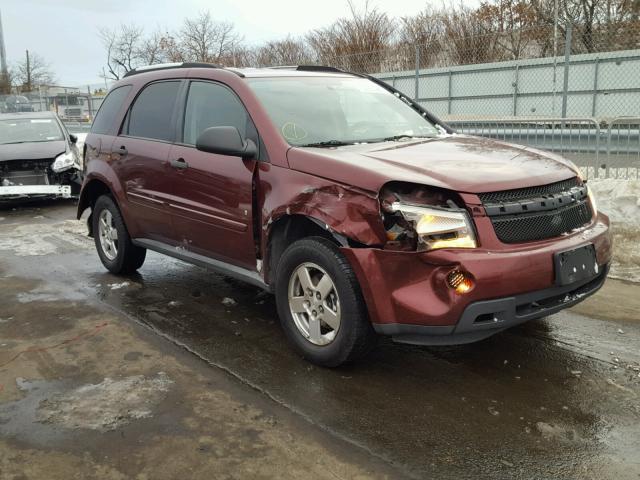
(151, 113)
(110, 107)
(212, 105)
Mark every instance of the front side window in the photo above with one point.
(27, 130)
(151, 115)
(103, 123)
(213, 105)
(309, 110)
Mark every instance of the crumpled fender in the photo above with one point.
(345, 210)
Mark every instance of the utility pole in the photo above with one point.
(5, 87)
(28, 73)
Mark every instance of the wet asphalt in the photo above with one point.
(556, 398)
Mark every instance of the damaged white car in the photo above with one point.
(38, 157)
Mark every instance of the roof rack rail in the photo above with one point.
(167, 66)
(309, 68)
(318, 68)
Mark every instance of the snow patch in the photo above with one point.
(107, 405)
(620, 200)
(43, 238)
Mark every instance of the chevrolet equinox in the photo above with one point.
(362, 212)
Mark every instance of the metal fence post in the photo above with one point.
(417, 89)
(449, 99)
(567, 57)
(515, 91)
(594, 101)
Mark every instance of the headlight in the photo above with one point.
(437, 227)
(63, 162)
(592, 199)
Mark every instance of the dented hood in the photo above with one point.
(31, 150)
(457, 162)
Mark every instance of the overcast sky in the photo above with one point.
(65, 32)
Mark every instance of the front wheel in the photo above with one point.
(115, 249)
(320, 304)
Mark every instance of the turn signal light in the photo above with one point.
(461, 282)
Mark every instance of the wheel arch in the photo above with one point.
(289, 228)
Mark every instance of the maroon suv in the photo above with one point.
(357, 208)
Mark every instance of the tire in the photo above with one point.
(123, 256)
(323, 345)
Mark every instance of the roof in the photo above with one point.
(15, 115)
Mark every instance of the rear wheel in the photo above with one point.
(115, 249)
(320, 304)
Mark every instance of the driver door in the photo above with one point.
(211, 205)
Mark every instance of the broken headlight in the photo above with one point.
(63, 162)
(432, 227)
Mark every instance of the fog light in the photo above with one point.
(461, 282)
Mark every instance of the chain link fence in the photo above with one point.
(574, 90)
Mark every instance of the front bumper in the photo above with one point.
(407, 296)
(29, 191)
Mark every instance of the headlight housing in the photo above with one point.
(434, 227)
(63, 162)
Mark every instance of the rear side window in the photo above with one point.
(151, 115)
(212, 105)
(103, 123)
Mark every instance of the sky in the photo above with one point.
(65, 32)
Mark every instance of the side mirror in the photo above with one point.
(226, 141)
(73, 138)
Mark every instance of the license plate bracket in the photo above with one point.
(574, 265)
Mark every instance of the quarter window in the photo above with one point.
(103, 123)
(213, 105)
(151, 115)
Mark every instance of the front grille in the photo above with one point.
(538, 213)
(529, 192)
(538, 226)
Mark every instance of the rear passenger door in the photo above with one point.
(143, 147)
(212, 204)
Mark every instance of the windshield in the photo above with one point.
(312, 110)
(25, 130)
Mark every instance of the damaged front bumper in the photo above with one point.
(408, 297)
(16, 192)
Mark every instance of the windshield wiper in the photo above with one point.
(328, 143)
(400, 137)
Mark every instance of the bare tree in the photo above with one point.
(424, 30)
(152, 49)
(466, 38)
(123, 46)
(290, 51)
(32, 72)
(514, 22)
(204, 40)
(366, 32)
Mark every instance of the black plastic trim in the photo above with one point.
(249, 276)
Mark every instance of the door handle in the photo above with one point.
(122, 151)
(179, 163)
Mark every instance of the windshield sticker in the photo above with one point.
(293, 132)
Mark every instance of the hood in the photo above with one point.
(456, 162)
(32, 151)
